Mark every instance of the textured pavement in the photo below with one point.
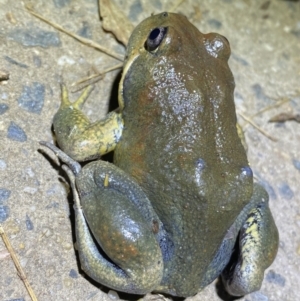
(36, 210)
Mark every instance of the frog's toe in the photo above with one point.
(65, 102)
(78, 104)
(258, 244)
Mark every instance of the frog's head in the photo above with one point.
(168, 43)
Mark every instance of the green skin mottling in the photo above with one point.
(180, 193)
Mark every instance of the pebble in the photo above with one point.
(4, 213)
(73, 274)
(135, 10)
(2, 164)
(14, 62)
(286, 191)
(67, 246)
(4, 194)
(3, 108)
(34, 36)
(276, 278)
(259, 92)
(4, 209)
(214, 23)
(296, 163)
(113, 295)
(16, 133)
(85, 31)
(65, 60)
(29, 223)
(32, 98)
(30, 190)
(257, 296)
(61, 3)
(54, 189)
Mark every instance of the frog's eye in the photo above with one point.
(155, 38)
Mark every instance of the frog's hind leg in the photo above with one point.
(124, 252)
(258, 244)
(125, 226)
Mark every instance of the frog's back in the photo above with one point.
(181, 145)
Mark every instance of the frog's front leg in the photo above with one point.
(258, 244)
(77, 136)
(128, 231)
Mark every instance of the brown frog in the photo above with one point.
(180, 197)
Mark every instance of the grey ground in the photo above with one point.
(34, 209)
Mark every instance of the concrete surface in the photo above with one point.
(34, 203)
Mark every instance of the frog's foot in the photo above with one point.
(78, 104)
(77, 136)
(73, 165)
(258, 244)
(115, 209)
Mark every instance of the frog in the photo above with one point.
(178, 207)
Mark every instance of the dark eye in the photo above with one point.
(155, 38)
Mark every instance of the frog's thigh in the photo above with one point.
(77, 136)
(123, 222)
(258, 244)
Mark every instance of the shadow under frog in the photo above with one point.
(180, 193)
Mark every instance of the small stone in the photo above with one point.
(29, 224)
(30, 190)
(37, 61)
(2, 164)
(14, 62)
(239, 59)
(257, 296)
(34, 36)
(24, 261)
(61, 3)
(4, 213)
(3, 108)
(67, 246)
(286, 191)
(259, 92)
(296, 33)
(276, 278)
(296, 163)
(113, 295)
(214, 23)
(73, 274)
(54, 189)
(4, 194)
(16, 133)
(65, 60)
(85, 31)
(136, 9)
(32, 98)
(4, 96)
